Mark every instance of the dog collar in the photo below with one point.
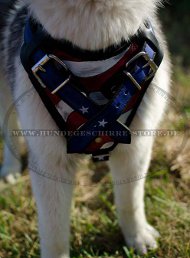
(87, 92)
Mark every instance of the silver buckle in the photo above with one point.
(150, 63)
(39, 67)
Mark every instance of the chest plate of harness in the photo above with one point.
(90, 93)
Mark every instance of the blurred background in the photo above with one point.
(95, 231)
(176, 21)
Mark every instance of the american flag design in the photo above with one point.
(92, 75)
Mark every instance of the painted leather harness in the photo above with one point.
(87, 92)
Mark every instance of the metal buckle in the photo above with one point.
(39, 67)
(150, 63)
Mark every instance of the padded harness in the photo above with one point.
(88, 92)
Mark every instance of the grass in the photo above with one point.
(95, 230)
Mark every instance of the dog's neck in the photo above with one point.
(92, 24)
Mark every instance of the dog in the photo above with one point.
(91, 26)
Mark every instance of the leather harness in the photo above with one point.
(87, 92)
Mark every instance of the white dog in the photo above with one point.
(91, 25)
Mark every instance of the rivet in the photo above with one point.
(98, 140)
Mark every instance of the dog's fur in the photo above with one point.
(11, 166)
(89, 24)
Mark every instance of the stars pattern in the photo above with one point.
(102, 123)
(84, 110)
(101, 158)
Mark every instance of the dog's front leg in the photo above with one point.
(129, 166)
(11, 166)
(53, 197)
